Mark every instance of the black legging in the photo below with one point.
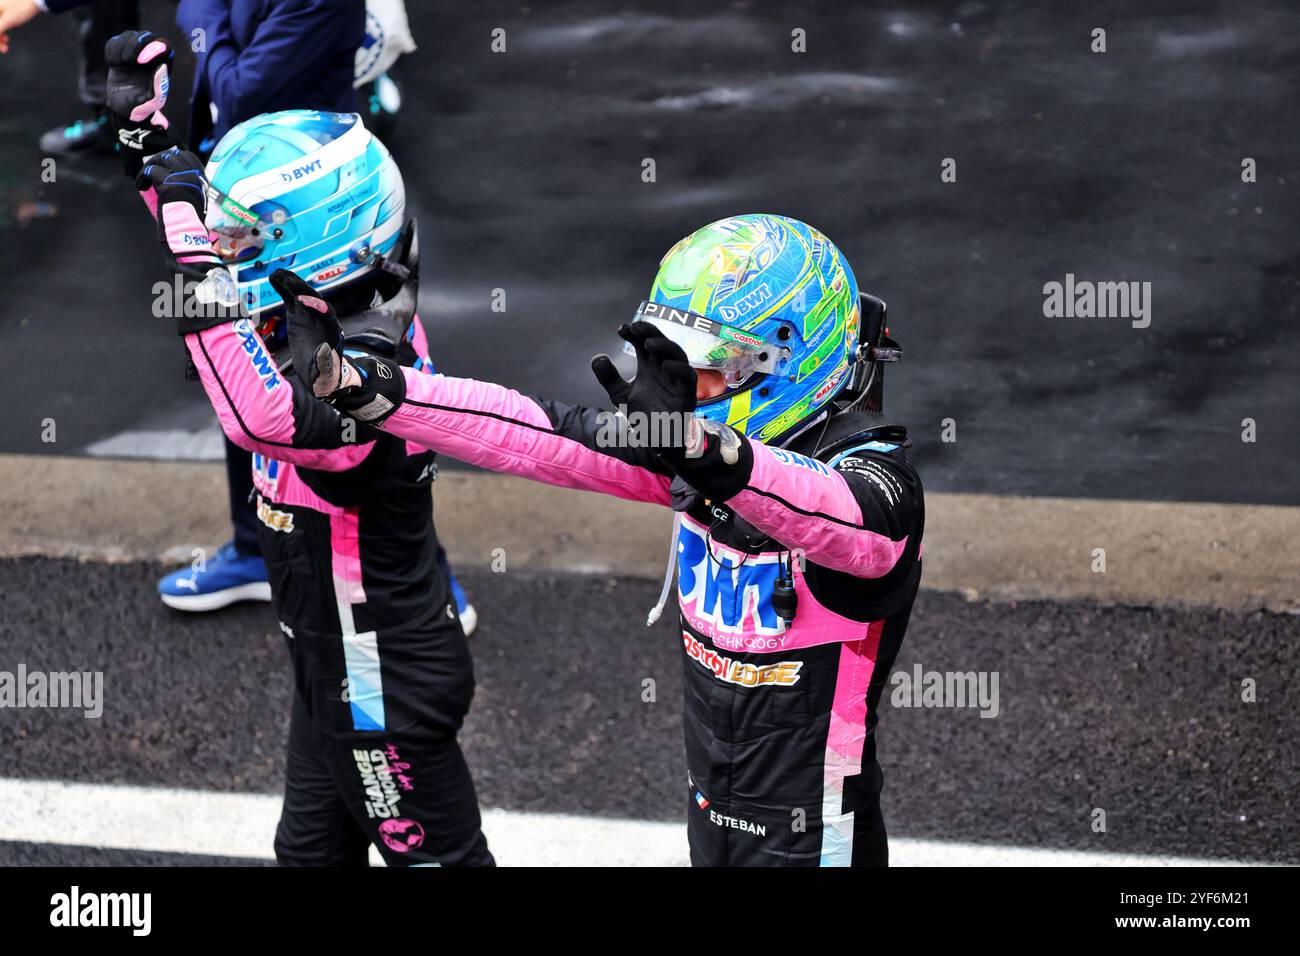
(243, 512)
(97, 22)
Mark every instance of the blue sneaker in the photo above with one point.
(226, 578)
(468, 616)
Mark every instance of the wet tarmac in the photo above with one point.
(525, 170)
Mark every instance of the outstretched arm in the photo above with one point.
(497, 428)
(854, 518)
(480, 423)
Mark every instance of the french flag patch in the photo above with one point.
(699, 798)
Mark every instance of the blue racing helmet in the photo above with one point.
(772, 304)
(304, 190)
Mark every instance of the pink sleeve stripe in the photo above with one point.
(499, 429)
(805, 504)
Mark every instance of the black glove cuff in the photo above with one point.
(136, 143)
(383, 392)
(723, 468)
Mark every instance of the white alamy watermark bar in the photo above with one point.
(946, 689)
(1084, 299)
(59, 690)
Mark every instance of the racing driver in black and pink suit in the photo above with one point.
(382, 672)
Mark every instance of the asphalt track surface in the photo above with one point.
(46, 854)
(1135, 711)
(525, 171)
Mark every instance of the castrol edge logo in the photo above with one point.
(740, 673)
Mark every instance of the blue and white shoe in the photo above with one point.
(226, 578)
(84, 136)
(468, 616)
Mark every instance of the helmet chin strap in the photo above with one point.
(392, 267)
(860, 400)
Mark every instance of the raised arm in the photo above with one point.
(139, 77)
(259, 408)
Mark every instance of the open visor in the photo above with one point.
(710, 344)
(237, 232)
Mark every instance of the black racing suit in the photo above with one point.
(382, 672)
(765, 785)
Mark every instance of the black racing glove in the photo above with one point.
(210, 296)
(712, 458)
(364, 387)
(664, 383)
(139, 72)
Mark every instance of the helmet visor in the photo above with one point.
(237, 232)
(713, 345)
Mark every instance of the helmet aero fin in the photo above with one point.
(866, 386)
(381, 328)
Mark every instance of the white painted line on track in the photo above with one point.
(138, 818)
(909, 852)
(243, 825)
(174, 444)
